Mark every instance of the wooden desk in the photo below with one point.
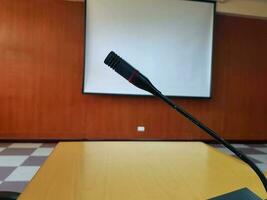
(139, 171)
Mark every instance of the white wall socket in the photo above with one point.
(140, 128)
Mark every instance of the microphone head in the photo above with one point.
(129, 73)
(121, 66)
(112, 60)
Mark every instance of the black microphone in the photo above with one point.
(136, 78)
(129, 73)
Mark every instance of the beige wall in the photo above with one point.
(256, 8)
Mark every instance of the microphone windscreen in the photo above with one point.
(131, 74)
(120, 66)
(112, 60)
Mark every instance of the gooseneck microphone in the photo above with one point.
(136, 78)
(129, 73)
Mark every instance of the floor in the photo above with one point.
(20, 161)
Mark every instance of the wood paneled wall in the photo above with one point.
(41, 65)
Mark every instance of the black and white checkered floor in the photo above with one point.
(20, 161)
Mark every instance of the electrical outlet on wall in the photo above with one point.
(140, 128)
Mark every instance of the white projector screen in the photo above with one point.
(169, 41)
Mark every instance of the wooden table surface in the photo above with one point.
(139, 171)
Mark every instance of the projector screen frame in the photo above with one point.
(142, 95)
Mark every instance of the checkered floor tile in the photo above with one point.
(20, 161)
(256, 152)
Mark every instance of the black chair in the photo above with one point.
(9, 195)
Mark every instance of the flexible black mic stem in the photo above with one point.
(217, 138)
(136, 78)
